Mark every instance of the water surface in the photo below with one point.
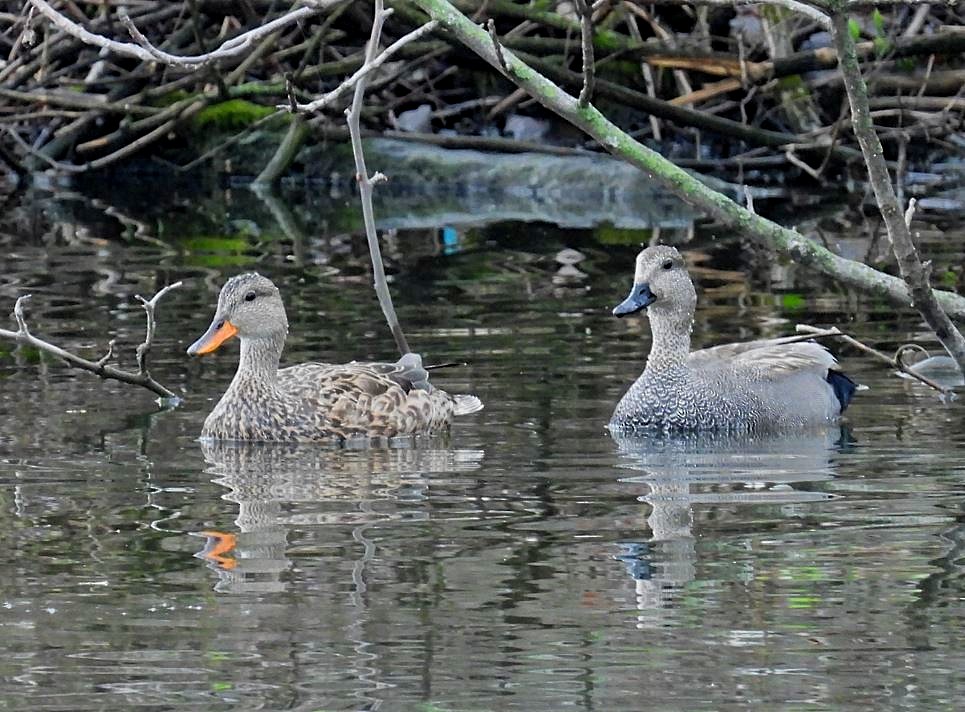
(527, 561)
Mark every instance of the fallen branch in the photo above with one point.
(101, 367)
(896, 362)
(768, 234)
(902, 244)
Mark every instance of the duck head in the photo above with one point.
(661, 284)
(249, 307)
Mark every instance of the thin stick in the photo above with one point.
(903, 245)
(367, 182)
(586, 34)
(100, 367)
(149, 307)
(497, 48)
(142, 49)
(367, 68)
(813, 332)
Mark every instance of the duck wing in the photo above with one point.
(770, 359)
(369, 399)
(729, 352)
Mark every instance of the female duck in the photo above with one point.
(750, 387)
(312, 401)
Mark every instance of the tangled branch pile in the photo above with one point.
(710, 86)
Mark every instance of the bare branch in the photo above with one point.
(902, 244)
(896, 361)
(110, 353)
(797, 6)
(22, 329)
(367, 68)
(142, 49)
(498, 48)
(585, 10)
(100, 367)
(366, 182)
(910, 211)
(149, 306)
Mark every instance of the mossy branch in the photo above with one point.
(766, 233)
(902, 244)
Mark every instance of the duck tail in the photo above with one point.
(464, 405)
(843, 386)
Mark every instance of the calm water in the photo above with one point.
(527, 562)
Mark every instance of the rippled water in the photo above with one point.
(527, 562)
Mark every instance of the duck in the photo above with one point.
(312, 402)
(756, 386)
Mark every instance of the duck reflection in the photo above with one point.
(710, 469)
(278, 486)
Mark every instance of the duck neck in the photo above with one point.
(258, 366)
(671, 341)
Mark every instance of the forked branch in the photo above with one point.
(142, 49)
(142, 377)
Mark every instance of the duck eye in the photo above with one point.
(250, 297)
(668, 264)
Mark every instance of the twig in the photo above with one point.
(794, 160)
(586, 35)
(902, 244)
(896, 362)
(367, 68)
(149, 307)
(142, 49)
(366, 182)
(792, 5)
(910, 211)
(31, 151)
(497, 47)
(100, 367)
(110, 353)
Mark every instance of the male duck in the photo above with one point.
(749, 387)
(312, 401)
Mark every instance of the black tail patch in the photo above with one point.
(843, 386)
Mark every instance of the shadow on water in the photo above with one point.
(683, 471)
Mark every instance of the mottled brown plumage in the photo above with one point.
(313, 401)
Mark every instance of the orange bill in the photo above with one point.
(217, 334)
(217, 548)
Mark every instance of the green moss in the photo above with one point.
(170, 98)
(793, 302)
(218, 250)
(854, 29)
(882, 46)
(232, 114)
(609, 235)
(879, 22)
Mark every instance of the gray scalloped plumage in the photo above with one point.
(313, 401)
(746, 387)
